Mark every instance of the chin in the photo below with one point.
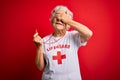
(60, 28)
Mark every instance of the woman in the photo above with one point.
(57, 52)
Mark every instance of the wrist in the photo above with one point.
(39, 45)
(69, 22)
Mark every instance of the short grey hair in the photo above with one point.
(62, 8)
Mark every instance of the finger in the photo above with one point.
(59, 12)
(38, 37)
(36, 31)
(36, 34)
(58, 16)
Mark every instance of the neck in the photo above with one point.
(59, 33)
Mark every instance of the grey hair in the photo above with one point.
(62, 8)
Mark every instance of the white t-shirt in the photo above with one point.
(61, 57)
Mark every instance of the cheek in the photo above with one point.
(53, 24)
(53, 20)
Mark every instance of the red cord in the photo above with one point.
(52, 42)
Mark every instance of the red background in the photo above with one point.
(99, 60)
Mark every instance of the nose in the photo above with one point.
(58, 19)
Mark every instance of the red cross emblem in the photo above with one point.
(59, 57)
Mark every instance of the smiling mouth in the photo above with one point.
(59, 23)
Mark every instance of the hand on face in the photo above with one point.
(62, 16)
(60, 20)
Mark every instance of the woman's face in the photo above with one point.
(58, 24)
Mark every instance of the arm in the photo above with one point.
(39, 60)
(85, 32)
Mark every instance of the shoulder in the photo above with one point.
(73, 32)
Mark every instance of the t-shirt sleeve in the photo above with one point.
(76, 38)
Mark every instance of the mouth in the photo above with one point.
(59, 23)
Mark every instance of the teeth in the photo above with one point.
(59, 23)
